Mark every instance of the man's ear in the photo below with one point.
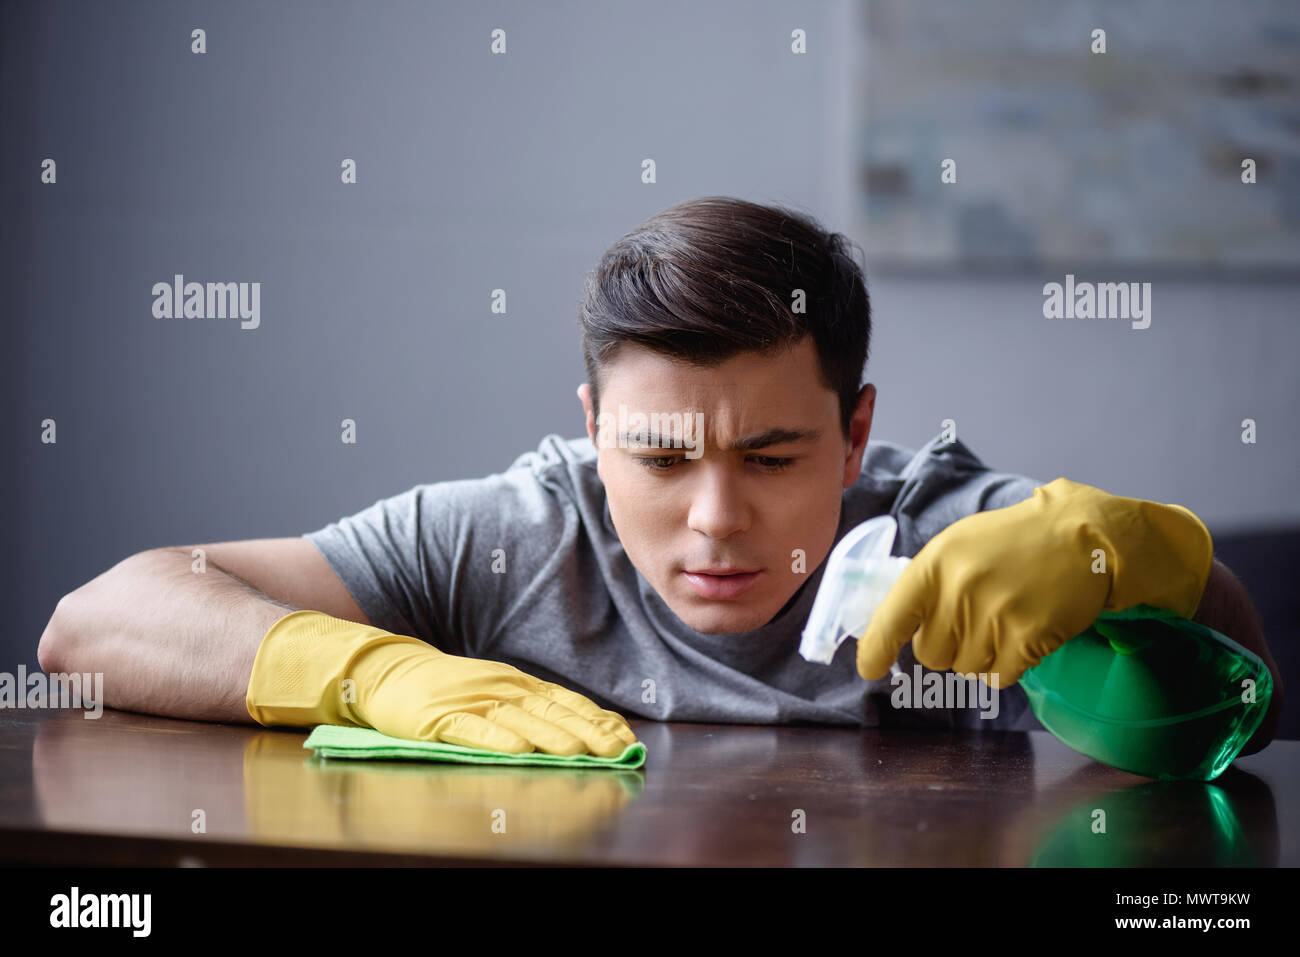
(859, 431)
(584, 393)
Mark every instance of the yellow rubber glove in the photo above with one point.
(406, 688)
(997, 591)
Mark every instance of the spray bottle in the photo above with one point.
(1143, 689)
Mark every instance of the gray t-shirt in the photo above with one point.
(571, 608)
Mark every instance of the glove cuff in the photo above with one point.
(1195, 546)
(1163, 559)
(299, 666)
(1157, 554)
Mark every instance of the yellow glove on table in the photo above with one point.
(312, 668)
(997, 591)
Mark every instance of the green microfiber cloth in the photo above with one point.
(347, 741)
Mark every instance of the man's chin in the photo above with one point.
(722, 621)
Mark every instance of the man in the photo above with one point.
(664, 565)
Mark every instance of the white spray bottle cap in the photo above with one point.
(859, 572)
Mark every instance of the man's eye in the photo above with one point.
(651, 462)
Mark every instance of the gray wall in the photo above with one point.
(477, 172)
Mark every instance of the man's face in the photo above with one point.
(696, 506)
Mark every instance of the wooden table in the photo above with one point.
(128, 789)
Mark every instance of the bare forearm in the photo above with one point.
(1226, 607)
(168, 640)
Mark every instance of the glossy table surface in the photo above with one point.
(129, 789)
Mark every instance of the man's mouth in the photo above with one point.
(717, 583)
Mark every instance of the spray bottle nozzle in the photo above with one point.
(859, 573)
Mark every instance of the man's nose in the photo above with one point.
(718, 507)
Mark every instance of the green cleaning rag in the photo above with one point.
(347, 741)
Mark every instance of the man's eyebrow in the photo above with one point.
(769, 437)
(644, 440)
(750, 443)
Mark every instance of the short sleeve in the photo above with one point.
(445, 562)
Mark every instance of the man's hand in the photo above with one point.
(312, 669)
(419, 692)
(997, 591)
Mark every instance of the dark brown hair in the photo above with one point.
(713, 277)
